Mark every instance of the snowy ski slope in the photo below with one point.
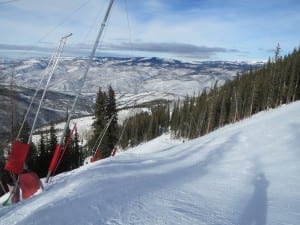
(244, 173)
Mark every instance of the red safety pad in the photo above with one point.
(17, 157)
(29, 184)
(98, 155)
(55, 158)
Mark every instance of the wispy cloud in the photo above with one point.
(179, 49)
(206, 29)
(23, 47)
(141, 49)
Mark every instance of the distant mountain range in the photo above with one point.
(135, 81)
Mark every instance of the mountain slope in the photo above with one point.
(54, 107)
(135, 80)
(240, 174)
(140, 79)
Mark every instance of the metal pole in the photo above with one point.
(61, 47)
(90, 60)
(86, 70)
(36, 92)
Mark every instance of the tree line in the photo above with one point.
(276, 83)
(145, 126)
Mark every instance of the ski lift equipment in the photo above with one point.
(83, 78)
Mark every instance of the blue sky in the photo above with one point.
(183, 29)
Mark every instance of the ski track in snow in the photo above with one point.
(244, 173)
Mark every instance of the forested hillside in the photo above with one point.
(277, 83)
(14, 102)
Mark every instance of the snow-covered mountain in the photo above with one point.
(135, 80)
(143, 79)
(244, 173)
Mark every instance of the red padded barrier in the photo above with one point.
(29, 184)
(55, 158)
(17, 157)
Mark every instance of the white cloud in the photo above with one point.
(233, 26)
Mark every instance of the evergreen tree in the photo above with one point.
(52, 139)
(277, 82)
(100, 120)
(175, 119)
(77, 157)
(65, 164)
(51, 143)
(111, 115)
(44, 157)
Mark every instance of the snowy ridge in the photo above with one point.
(144, 79)
(135, 81)
(243, 173)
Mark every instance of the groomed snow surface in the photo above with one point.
(245, 173)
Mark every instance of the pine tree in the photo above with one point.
(52, 140)
(100, 120)
(175, 119)
(111, 115)
(50, 144)
(276, 83)
(77, 157)
(44, 157)
(65, 164)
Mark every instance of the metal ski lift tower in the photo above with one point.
(82, 79)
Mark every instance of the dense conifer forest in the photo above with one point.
(277, 83)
